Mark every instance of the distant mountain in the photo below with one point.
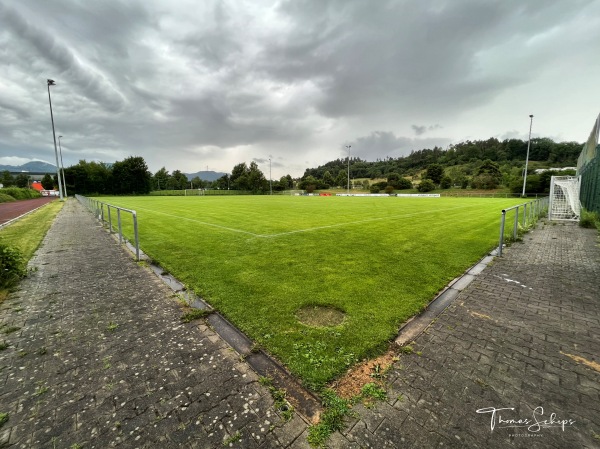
(33, 167)
(205, 175)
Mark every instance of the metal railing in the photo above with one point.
(99, 207)
(531, 212)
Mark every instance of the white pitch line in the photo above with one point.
(202, 222)
(368, 220)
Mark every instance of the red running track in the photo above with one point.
(10, 211)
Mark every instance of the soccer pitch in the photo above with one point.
(260, 259)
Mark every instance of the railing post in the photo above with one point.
(502, 221)
(516, 224)
(119, 224)
(525, 215)
(135, 233)
(109, 220)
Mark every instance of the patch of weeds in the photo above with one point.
(278, 395)
(18, 309)
(195, 314)
(595, 436)
(42, 351)
(265, 381)
(112, 326)
(75, 446)
(256, 348)
(233, 439)
(374, 391)
(106, 364)
(332, 419)
(406, 349)
(22, 353)
(109, 386)
(400, 397)
(3, 346)
(3, 418)
(143, 263)
(181, 426)
(377, 372)
(11, 329)
(419, 353)
(41, 390)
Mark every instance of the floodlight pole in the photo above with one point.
(52, 83)
(270, 177)
(527, 157)
(62, 166)
(348, 146)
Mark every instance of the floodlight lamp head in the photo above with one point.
(530, 115)
(51, 82)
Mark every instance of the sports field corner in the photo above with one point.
(265, 261)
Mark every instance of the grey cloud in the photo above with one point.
(65, 63)
(419, 129)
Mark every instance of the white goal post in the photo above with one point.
(193, 192)
(564, 201)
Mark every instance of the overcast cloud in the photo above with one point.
(190, 85)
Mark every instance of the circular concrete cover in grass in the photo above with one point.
(320, 316)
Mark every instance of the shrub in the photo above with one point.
(12, 266)
(589, 219)
(4, 198)
(446, 182)
(389, 189)
(426, 185)
(375, 188)
(21, 194)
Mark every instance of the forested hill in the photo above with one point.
(509, 152)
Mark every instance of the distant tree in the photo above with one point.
(446, 182)
(426, 185)
(403, 184)
(22, 180)
(328, 179)
(160, 180)
(180, 181)
(389, 189)
(256, 179)
(375, 188)
(341, 179)
(308, 181)
(198, 183)
(131, 176)
(435, 172)
(6, 179)
(286, 182)
(47, 182)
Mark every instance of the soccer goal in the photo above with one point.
(193, 192)
(564, 198)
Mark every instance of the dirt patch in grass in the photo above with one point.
(320, 316)
(369, 371)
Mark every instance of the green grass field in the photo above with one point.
(260, 259)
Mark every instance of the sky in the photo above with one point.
(197, 85)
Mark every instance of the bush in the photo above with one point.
(21, 194)
(589, 219)
(4, 198)
(375, 188)
(389, 189)
(446, 182)
(426, 185)
(12, 266)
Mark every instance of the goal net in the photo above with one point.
(564, 198)
(193, 192)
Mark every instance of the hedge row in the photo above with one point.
(18, 194)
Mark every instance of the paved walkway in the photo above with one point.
(525, 334)
(97, 357)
